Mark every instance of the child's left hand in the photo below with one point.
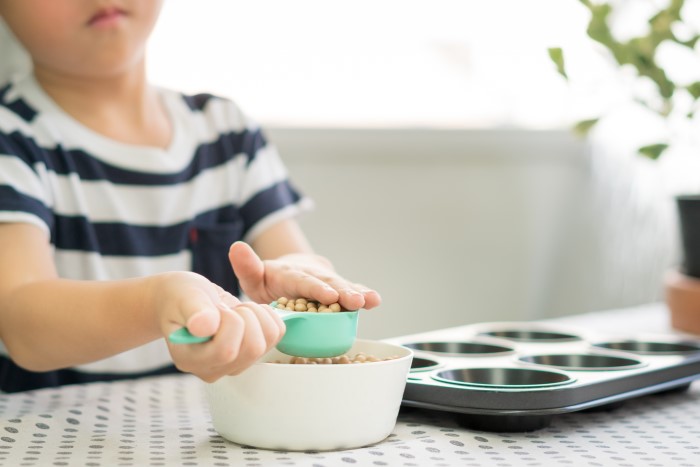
(295, 276)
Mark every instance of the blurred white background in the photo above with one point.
(434, 137)
(374, 62)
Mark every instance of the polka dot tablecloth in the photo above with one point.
(165, 421)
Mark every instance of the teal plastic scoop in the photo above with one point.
(308, 334)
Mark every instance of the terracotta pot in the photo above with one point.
(683, 300)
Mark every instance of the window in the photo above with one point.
(377, 63)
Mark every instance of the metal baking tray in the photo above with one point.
(516, 376)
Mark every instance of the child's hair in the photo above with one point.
(15, 60)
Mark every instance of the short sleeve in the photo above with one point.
(267, 195)
(23, 194)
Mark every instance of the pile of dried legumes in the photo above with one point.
(343, 359)
(303, 304)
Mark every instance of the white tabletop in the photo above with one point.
(165, 421)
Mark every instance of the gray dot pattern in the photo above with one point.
(165, 421)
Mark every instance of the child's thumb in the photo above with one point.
(199, 314)
(247, 266)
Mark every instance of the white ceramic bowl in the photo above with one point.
(312, 407)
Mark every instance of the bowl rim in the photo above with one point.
(409, 353)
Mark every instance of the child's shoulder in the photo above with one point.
(198, 102)
(205, 102)
(14, 107)
(213, 108)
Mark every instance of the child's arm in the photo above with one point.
(285, 265)
(48, 323)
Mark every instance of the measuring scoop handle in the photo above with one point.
(183, 336)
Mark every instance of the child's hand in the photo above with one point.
(298, 275)
(242, 332)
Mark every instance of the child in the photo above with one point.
(118, 203)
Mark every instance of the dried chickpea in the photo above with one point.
(305, 304)
(340, 360)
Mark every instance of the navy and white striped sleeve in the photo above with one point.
(267, 195)
(23, 194)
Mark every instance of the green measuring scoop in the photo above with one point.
(308, 334)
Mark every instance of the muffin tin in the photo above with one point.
(513, 376)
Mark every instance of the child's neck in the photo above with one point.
(124, 108)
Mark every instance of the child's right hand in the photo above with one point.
(242, 332)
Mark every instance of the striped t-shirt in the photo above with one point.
(114, 210)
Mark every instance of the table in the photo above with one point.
(164, 421)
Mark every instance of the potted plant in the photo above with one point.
(675, 100)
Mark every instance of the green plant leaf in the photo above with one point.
(640, 54)
(598, 28)
(584, 126)
(694, 89)
(557, 56)
(661, 25)
(689, 43)
(653, 151)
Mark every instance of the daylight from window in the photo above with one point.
(383, 63)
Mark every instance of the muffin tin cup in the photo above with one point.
(503, 378)
(651, 347)
(583, 362)
(423, 364)
(511, 377)
(461, 349)
(531, 335)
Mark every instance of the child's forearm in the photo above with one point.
(59, 323)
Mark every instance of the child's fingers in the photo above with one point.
(226, 345)
(272, 326)
(306, 285)
(347, 296)
(228, 299)
(281, 327)
(246, 334)
(253, 345)
(212, 360)
(353, 296)
(372, 297)
(351, 299)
